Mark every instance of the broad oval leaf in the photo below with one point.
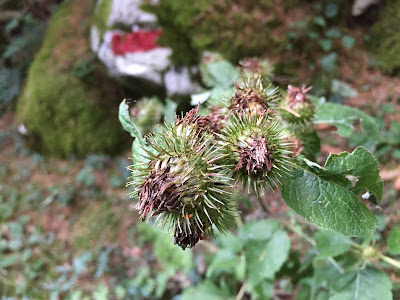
(327, 199)
(344, 117)
(367, 284)
(361, 164)
(206, 290)
(266, 249)
(330, 243)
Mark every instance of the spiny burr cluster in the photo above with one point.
(191, 167)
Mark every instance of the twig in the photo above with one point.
(289, 110)
(242, 290)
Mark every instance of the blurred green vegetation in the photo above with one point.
(67, 228)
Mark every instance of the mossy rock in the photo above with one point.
(68, 105)
(236, 29)
(385, 37)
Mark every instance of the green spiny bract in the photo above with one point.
(257, 150)
(183, 183)
(296, 109)
(147, 113)
(252, 97)
(255, 67)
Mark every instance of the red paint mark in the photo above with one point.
(138, 41)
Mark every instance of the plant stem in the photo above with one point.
(336, 265)
(357, 246)
(389, 260)
(242, 290)
(264, 208)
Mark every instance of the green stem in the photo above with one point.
(263, 206)
(389, 260)
(301, 234)
(357, 246)
(336, 265)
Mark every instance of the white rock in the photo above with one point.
(94, 39)
(153, 65)
(22, 129)
(128, 12)
(148, 65)
(360, 6)
(177, 81)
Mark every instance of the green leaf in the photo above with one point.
(324, 272)
(169, 110)
(224, 262)
(205, 290)
(348, 42)
(331, 10)
(330, 243)
(320, 21)
(343, 117)
(366, 284)
(333, 33)
(139, 143)
(305, 289)
(311, 144)
(393, 241)
(167, 254)
(222, 74)
(326, 44)
(127, 124)
(8, 260)
(361, 164)
(101, 293)
(266, 249)
(230, 241)
(263, 290)
(325, 198)
(343, 89)
(328, 62)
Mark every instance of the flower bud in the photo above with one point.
(147, 113)
(183, 183)
(252, 98)
(255, 67)
(297, 109)
(258, 150)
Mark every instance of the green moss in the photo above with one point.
(101, 14)
(385, 36)
(66, 114)
(236, 29)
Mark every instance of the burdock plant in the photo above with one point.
(183, 183)
(185, 173)
(257, 149)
